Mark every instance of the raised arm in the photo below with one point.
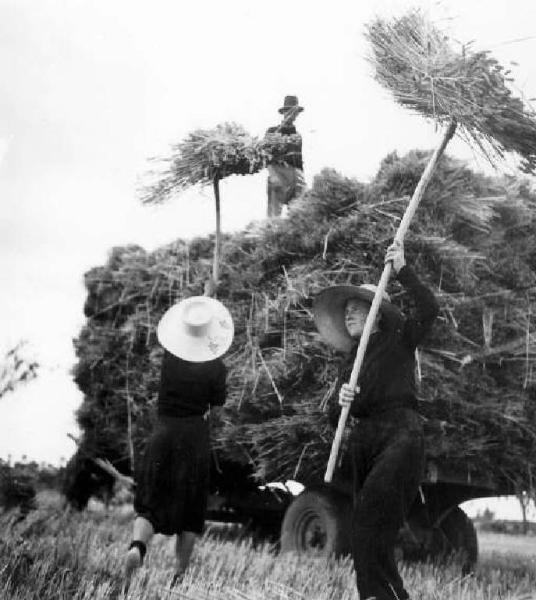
(425, 311)
(426, 308)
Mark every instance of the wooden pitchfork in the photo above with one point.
(373, 311)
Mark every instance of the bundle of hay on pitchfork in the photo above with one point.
(465, 91)
(207, 156)
(418, 64)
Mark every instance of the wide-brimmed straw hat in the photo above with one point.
(329, 307)
(196, 329)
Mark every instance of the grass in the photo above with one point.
(58, 554)
(491, 544)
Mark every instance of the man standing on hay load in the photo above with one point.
(386, 446)
(285, 176)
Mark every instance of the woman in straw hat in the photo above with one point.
(172, 482)
(386, 445)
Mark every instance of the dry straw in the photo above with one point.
(426, 73)
(477, 401)
(206, 155)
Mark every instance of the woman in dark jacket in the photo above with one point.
(386, 445)
(172, 482)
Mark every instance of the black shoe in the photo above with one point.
(176, 579)
(135, 556)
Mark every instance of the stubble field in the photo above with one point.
(58, 554)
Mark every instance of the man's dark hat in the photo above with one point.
(328, 312)
(289, 103)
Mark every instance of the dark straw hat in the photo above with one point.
(328, 312)
(289, 103)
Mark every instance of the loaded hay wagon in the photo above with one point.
(473, 243)
(471, 239)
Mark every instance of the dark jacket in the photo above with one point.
(189, 388)
(387, 376)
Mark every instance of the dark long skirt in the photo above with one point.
(173, 478)
(388, 461)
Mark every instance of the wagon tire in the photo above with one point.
(459, 538)
(317, 521)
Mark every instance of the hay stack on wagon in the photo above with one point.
(473, 243)
(472, 240)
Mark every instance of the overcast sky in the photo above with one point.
(90, 90)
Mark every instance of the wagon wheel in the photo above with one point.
(317, 521)
(455, 535)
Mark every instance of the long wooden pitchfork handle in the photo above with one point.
(382, 285)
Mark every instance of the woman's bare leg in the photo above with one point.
(143, 532)
(184, 545)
